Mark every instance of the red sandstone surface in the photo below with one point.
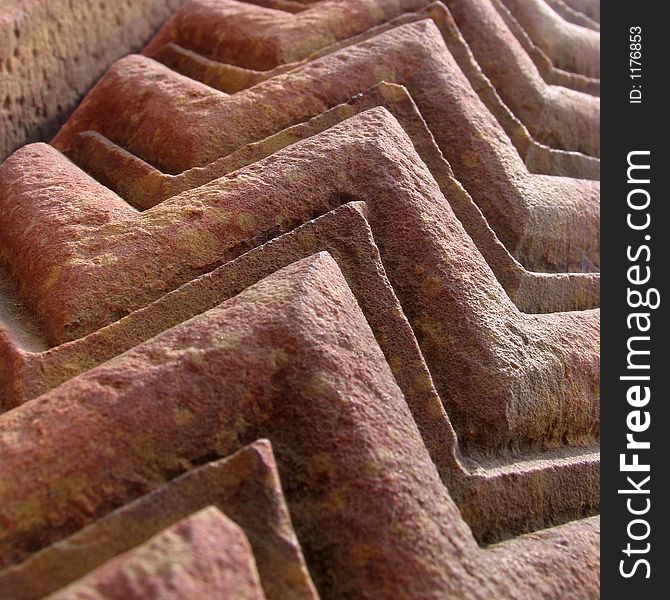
(301, 301)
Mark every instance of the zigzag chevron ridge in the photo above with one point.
(302, 301)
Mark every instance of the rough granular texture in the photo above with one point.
(101, 235)
(544, 109)
(499, 508)
(545, 65)
(144, 186)
(203, 556)
(445, 286)
(257, 38)
(569, 46)
(302, 302)
(206, 124)
(244, 486)
(270, 362)
(49, 59)
(573, 15)
(539, 158)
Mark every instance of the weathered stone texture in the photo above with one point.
(479, 151)
(291, 358)
(203, 556)
(244, 486)
(544, 64)
(539, 158)
(569, 46)
(573, 16)
(53, 51)
(590, 8)
(300, 302)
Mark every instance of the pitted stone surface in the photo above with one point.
(479, 151)
(539, 158)
(334, 225)
(292, 328)
(48, 60)
(257, 38)
(144, 186)
(500, 507)
(569, 46)
(178, 239)
(203, 556)
(244, 486)
(477, 342)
